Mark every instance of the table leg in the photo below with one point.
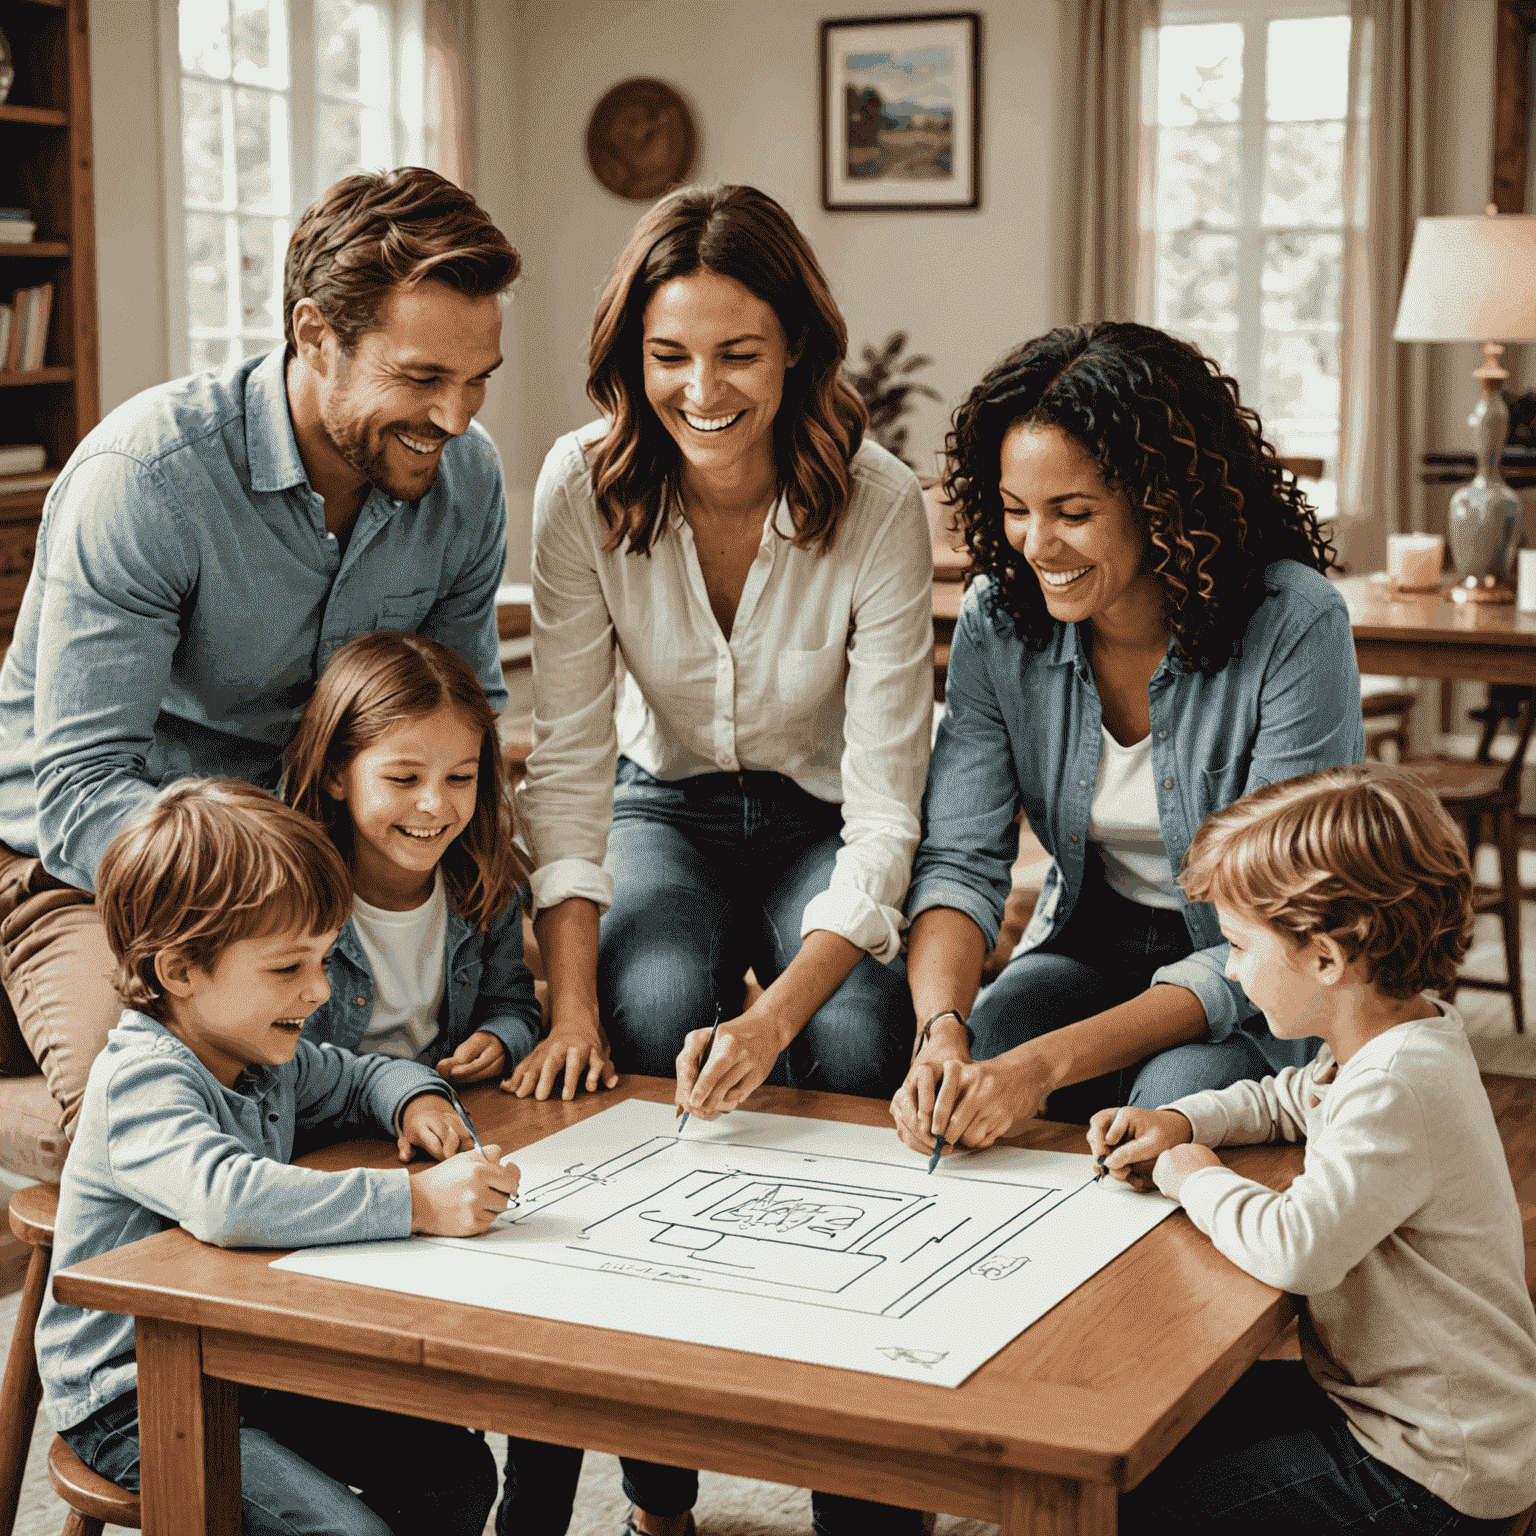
(1037, 1505)
(189, 1436)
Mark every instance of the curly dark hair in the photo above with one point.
(1167, 427)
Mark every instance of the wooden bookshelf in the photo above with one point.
(46, 165)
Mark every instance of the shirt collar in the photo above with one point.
(270, 445)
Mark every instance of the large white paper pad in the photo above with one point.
(804, 1239)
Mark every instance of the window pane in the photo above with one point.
(1302, 277)
(207, 274)
(1308, 68)
(1303, 173)
(1199, 74)
(255, 150)
(1199, 177)
(1221, 345)
(208, 352)
(262, 242)
(338, 143)
(1196, 281)
(338, 48)
(203, 30)
(202, 142)
(260, 43)
(1300, 387)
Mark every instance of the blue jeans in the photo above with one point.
(541, 1488)
(1276, 1457)
(301, 1458)
(1106, 955)
(711, 875)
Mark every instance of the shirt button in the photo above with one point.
(724, 760)
(1074, 837)
(1167, 783)
(1082, 783)
(273, 1119)
(361, 1001)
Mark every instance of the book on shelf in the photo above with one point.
(31, 309)
(12, 358)
(17, 232)
(11, 484)
(22, 458)
(7, 316)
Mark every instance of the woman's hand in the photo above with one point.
(976, 1102)
(479, 1057)
(1127, 1142)
(744, 1052)
(566, 1052)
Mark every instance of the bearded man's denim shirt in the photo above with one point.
(1022, 728)
(185, 596)
(487, 986)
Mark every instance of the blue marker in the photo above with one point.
(933, 1157)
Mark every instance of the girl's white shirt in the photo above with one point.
(407, 956)
(1123, 821)
(827, 678)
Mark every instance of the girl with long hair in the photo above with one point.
(397, 757)
(764, 573)
(1149, 635)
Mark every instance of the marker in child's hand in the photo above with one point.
(1100, 1167)
(713, 1028)
(469, 1125)
(933, 1157)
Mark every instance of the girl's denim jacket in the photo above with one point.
(486, 986)
(1022, 728)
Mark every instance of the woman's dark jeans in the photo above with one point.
(1106, 955)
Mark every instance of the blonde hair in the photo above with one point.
(373, 683)
(208, 863)
(1366, 855)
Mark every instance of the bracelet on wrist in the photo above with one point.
(944, 1013)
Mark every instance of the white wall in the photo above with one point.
(965, 285)
(130, 198)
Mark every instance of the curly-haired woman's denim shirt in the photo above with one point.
(1022, 728)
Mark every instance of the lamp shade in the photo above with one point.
(1470, 279)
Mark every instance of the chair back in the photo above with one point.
(1507, 701)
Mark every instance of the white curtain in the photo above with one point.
(1381, 433)
(1112, 160)
(435, 127)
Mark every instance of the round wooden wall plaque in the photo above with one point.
(640, 140)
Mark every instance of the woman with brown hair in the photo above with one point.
(764, 571)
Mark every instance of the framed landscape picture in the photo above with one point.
(901, 111)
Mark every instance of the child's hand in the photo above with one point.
(464, 1195)
(479, 1057)
(1130, 1140)
(1176, 1165)
(432, 1123)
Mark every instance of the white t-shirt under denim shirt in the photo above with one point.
(827, 678)
(406, 954)
(1403, 1235)
(1125, 828)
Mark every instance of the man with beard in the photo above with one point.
(212, 542)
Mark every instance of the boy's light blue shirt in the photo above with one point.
(487, 986)
(185, 596)
(1024, 728)
(161, 1143)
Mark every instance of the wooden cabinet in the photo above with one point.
(45, 165)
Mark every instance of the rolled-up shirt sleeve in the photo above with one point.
(1309, 719)
(565, 804)
(888, 704)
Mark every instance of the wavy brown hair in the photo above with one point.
(1167, 427)
(372, 683)
(371, 233)
(743, 234)
(1366, 855)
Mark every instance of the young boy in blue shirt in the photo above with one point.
(1344, 895)
(220, 906)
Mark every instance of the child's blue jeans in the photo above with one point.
(301, 1458)
(1276, 1457)
(711, 876)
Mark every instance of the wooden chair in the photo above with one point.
(93, 1501)
(1479, 792)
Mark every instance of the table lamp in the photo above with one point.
(1474, 279)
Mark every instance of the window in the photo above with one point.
(276, 100)
(1248, 207)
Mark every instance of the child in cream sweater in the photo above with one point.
(1343, 896)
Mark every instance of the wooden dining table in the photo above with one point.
(1040, 1439)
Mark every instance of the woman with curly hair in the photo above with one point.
(764, 571)
(1149, 636)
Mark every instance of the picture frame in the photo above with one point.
(901, 112)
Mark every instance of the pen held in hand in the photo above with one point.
(713, 1030)
(933, 1157)
(469, 1125)
(1100, 1167)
